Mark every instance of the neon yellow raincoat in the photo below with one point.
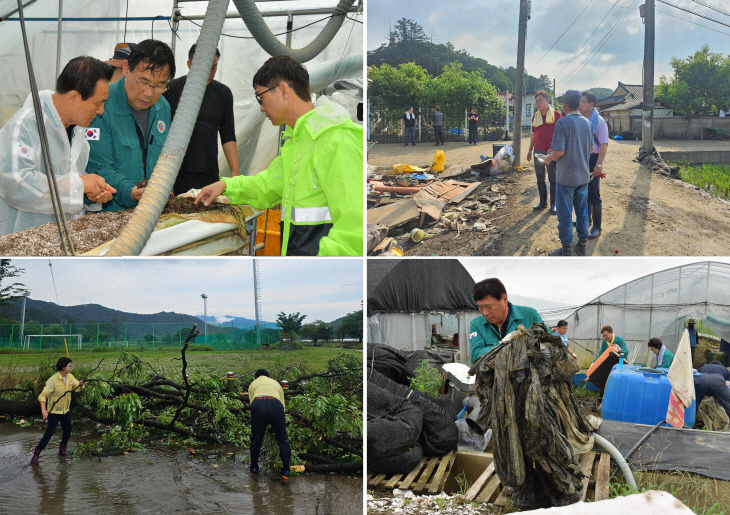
(318, 180)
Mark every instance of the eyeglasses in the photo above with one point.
(145, 84)
(259, 95)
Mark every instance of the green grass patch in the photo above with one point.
(714, 178)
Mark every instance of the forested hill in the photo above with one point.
(433, 57)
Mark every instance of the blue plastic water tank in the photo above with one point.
(639, 395)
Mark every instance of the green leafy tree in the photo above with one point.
(407, 30)
(12, 290)
(291, 323)
(458, 89)
(317, 330)
(700, 85)
(351, 326)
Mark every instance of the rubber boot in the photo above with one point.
(562, 251)
(254, 468)
(62, 449)
(284, 474)
(595, 231)
(36, 455)
(580, 247)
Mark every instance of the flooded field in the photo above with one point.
(156, 480)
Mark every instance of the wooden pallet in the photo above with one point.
(428, 477)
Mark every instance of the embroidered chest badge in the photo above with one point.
(92, 134)
(161, 126)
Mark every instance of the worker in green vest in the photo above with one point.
(612, 339)
(317, 176)
(499, 317)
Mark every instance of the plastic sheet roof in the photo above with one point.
(418, 286)
(240, 58)
(658, 305)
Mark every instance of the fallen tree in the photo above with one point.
(135, 404)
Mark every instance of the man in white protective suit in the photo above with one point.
(25, 200)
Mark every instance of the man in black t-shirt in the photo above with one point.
(200, 166)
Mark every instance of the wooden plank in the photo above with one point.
(406, 484)
(586, 465)
(440, 474)
(423, 479)
(376, 480)
(502, 498)
(479, 483)
(449, 465)
(602, 475)
(393, 481)
(488, 492)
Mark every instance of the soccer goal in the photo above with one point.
(118, 344)
(51, 341)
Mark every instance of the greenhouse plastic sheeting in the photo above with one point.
(240, 58)
(657, 305)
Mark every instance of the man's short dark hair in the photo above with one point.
(61, 363)
(544, 94)
(607, 328)
(81, 74)
(154, 55)
(191, 52)
(590, 97)
(438, 108)
(571, 98)
(562, 323)
(655, 342)
(261, 372)
(492, 287)
(283, 68)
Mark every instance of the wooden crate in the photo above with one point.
(430, 475)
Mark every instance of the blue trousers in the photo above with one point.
(571, 198)
(410, 131)
(264, 413)
(53, 420)
(473, 134)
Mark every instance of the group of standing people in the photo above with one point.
(107, 123)
(571, 148)
(408, 124)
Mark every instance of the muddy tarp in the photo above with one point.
(439, 434)
(668, 448)
(538, 431)
(418, 286)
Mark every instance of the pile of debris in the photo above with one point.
(538, 431)
(653, 160)
(406, 502)
(400, 204)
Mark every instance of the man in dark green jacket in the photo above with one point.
(127, 139)
(612, 339)
(499, 317)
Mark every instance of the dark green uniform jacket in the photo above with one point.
(121, 154)
(483, 335)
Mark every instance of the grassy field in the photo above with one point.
(713, 178)
(311, 359)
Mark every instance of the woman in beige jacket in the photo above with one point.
(56, 398)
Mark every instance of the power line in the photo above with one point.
(692, 12)
(711, 7)
(602, 42)
(563, 34)
(692, 22)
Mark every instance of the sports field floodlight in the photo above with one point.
(205, 315)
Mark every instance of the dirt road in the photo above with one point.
(644, 213)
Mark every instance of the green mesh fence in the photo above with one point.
(120, 335)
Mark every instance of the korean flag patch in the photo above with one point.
(25, 151)
(472, 335)
(92, 134)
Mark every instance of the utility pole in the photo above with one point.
(519, 81)
(257, 301)
(647, 118)
(555, 94)
(205, 314)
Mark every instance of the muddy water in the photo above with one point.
(157, 480)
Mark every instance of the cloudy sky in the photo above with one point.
(569, 282)
(602, 40)
(320, 288)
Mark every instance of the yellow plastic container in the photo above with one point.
(439, 161)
